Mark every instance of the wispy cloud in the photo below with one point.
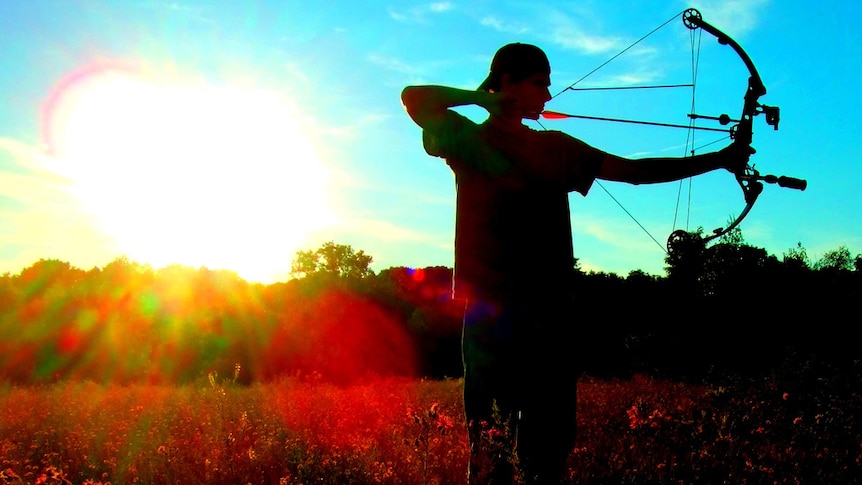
(30, 171)
(441, 6)
(501, 25)
(350, 130)
(409, 72)
(569, 37)
(184, 9)
(605, 240)
(639, 76)
(380, 230)
(22, 153)
(39, 218)
(420, 14)
(395, 65)
(568, 32)
(735, 17)
(575, 27)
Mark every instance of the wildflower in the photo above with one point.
(797, 420)
(9, 475)
(635, 419)
(444, 423)
(432, 412)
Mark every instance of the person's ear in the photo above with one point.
(505, 80)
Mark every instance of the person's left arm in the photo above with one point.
(657, 170)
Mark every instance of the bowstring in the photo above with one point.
(690, 137)
(695, 41)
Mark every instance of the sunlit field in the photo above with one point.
(403, 431)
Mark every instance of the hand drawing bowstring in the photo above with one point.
(748, 178)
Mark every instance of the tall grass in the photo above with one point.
(395, 431)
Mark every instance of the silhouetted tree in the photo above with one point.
(835, 260)
(735, 270)
(46, 273)
(797, 257)
(339, 260)
(733, 237)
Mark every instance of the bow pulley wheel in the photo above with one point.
(684, 242)
(688, 15)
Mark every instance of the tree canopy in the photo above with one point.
(338, 260)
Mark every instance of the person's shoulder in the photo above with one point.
(558, 138)
(554, 134)
(566, 146)
(455, 122)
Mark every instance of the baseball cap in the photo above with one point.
(517, 59)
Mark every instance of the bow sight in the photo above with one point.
(771, 113)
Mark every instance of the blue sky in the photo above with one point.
(232, 134)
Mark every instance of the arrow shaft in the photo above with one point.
(553, 115)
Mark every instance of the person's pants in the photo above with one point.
(518, 359)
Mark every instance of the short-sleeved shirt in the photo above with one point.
(513, 235)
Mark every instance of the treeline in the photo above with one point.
(729, 308)
(128, 323)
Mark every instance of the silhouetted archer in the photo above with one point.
(514, 261)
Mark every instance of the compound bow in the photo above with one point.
(750, 180)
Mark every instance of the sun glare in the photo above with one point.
(188, 173)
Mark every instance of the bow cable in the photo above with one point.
(570, 86)
(690, 127)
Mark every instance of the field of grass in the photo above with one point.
(395, 431)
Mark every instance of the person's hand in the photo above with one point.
(503, 106)
(734, 157)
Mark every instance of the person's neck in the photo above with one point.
(508, 125)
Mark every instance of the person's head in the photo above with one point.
(524, 71)
(515, 62)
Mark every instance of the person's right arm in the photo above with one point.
(427, 105)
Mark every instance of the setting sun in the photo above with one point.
(188, 172)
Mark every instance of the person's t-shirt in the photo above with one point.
(513, 233)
